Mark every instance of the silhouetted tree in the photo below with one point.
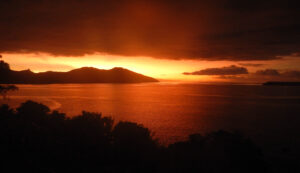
(4, 89)
(219, 151)
(35, 139)
(4, 67)
(135, 149)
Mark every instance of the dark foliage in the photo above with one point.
(4, 67)
(4, 89)
(35, 139)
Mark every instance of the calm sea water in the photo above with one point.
(173, 111)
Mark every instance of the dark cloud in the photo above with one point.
(262, 76)
(192, 29)
(231, 70)
(288, 74)
(232, 77)
(292, 74)
(268, 72)
(241, 74)
(251, 65)
(275, 75)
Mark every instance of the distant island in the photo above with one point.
(81, 75)
(277, 83)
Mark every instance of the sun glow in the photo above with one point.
(158, 68)
(162, 69)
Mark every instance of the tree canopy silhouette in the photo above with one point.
(35, 139)
(4, 89)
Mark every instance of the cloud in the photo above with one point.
(274, 75)
(288, 74)
(292, 74)
(251, 65)
(240, 74)
(230, 70)
(174, 29)
(268, 72)
(231, 77)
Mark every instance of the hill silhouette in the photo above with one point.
(81, 75)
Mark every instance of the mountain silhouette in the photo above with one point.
(81, 75)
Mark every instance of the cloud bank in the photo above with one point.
(286, 74)
(268, 72)
(174, 29)
(231, 70)
(250, 64)
(241, 74)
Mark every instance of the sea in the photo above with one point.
(268, 115)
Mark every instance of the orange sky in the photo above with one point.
(163, 69)
(206, 40)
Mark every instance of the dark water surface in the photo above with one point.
(268, 114)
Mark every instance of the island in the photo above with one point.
(278, 83)
(81, 75)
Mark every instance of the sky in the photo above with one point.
(190, 40)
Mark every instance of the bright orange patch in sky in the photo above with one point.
(163, 69)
